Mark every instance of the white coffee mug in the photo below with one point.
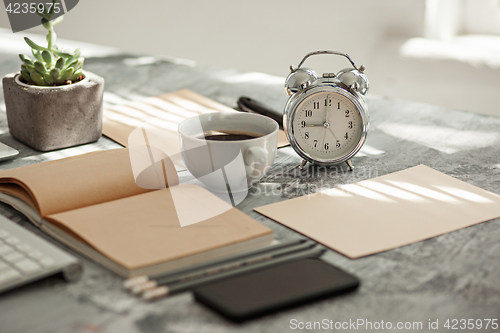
(228, 166)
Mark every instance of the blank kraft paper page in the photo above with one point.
(386, 212)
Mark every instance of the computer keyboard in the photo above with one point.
(26, 257)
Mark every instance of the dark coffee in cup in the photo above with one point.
(227, 135)
(228, 151)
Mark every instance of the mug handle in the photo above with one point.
(254, 158)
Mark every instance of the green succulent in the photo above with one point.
(51, 65)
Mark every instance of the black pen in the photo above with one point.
(247, 104)
(165, 290)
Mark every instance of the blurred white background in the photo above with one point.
(443, 52)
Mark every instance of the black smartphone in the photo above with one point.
(271, 289)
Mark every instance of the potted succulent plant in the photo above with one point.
(52, 102)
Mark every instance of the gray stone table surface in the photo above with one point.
(453, 276)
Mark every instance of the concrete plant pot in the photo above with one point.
(49, 118)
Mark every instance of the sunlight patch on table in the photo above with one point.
(444, 139)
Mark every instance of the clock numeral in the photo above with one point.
(315, 143)
(315, 105)
(303, 123)
(346, 136)
(338, 144)
(338, 105)
(350, 124)
(347, 113)
(327, 146)
(309, 113)
(328, 102)
(306, 135)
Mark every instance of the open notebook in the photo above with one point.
(92, 204)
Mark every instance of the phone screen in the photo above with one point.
(271, 289)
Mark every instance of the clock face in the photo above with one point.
(327, 126)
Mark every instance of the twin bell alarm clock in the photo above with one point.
(326, 118)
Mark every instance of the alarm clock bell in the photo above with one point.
(298, 79)
(355, 79)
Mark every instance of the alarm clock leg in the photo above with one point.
(349, 163)
(302, 164)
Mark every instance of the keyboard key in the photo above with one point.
(27, 266)
(13, 257)
(47, 262)
(9, 276)
(12, 240)
(23, 247)
(4, 249)
(3, 233)
(3, 266)
(37, 254)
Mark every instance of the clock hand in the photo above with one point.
(324, 137)
(333, 133)
(327, 123)
(315, 125)
(327, 113)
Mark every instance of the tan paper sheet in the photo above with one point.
(165, 112)
(386, 212)
(144, 229)
(74, 182)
